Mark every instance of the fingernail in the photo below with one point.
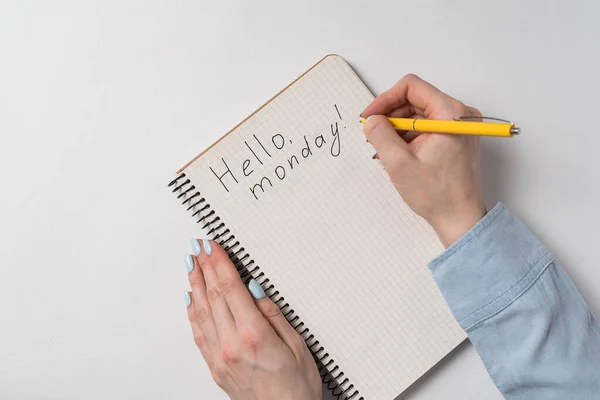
(187, 298)
(368, 118)
(189, 263)
(256, 290)
(196, 249)
(207, 246)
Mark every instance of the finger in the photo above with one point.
(412, 135)
(422, 95)
(473, 112)
(215, 292)
(200, 301)
(199, 336)
(389, 145)
(405, 111)
(273, 314)
(236, 295)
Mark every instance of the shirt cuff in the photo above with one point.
(490, 267)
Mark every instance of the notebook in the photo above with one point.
(295, 198)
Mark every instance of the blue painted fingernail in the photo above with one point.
(187, 298)
(256, 290)
(196, 249)
(207, 246)
(189, 263)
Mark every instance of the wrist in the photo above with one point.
(451, 226)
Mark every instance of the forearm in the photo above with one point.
(529, 324)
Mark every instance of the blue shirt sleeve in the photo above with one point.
(529, 324)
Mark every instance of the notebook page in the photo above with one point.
(296, 185)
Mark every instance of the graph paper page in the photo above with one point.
(296, 185)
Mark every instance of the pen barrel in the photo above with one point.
(453, 127)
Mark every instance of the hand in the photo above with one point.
(251, 349)
(437, 175)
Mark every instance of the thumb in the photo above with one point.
(389, 145)
(273, 314)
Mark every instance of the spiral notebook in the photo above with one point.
(294, 196)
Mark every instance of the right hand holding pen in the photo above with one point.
(437, 175)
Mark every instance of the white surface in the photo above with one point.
(101, 101)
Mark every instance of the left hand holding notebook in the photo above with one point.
(438, 176)
(251, 349)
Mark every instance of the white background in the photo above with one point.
(100, 102)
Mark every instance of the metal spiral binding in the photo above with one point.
(331, 375)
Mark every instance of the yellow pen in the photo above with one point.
(458, 126)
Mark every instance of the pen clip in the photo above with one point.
(471, 118)
(514, 130)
